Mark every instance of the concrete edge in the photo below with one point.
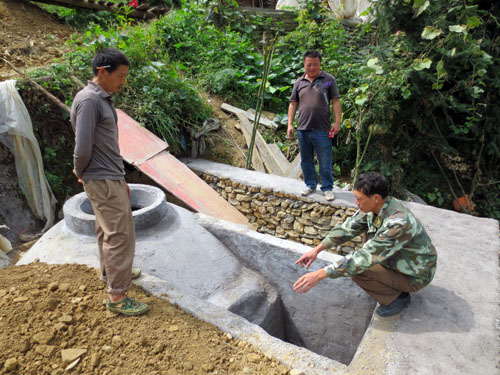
(263, 180)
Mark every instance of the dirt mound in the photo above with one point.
(51, 315)
(29, 36)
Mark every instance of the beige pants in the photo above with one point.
(383, 284)
(115, 231)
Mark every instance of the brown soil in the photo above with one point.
(29, 37)
(48, 309)
(227, 145)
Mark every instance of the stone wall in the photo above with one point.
(282, 214)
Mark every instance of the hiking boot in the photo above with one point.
(329, 196)
(136, 272)
(127, 306)
(307, 191)
(395, 307)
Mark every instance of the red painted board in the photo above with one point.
(182, 182)
(137, 144)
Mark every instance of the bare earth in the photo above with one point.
(29, 37)
(46, 310)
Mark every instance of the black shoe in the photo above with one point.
(395, 307)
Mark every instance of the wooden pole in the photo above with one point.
(60, 104)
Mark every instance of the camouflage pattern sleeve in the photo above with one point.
(387, 241)
(349, 229)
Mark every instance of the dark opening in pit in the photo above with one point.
(138, 200)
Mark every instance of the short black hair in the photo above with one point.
(110, 58)
(312, 53)
(370, 183)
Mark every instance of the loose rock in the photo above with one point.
(11, 364)
(43, 337)
(69, 355)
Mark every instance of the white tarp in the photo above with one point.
(16, 132)
(341, 8)
(5, 244)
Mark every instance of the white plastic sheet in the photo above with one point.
(17, 133)
(341, 8)
(5, 244)
(282, 4)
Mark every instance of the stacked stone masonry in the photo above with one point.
(284, 215)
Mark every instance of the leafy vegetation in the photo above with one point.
(428, 95)
(420, 101)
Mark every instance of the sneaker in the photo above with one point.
(328, 194)
(306, 192)
(127, 306)
(136, 272)
(395, 307)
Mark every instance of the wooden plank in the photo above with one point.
(295, 170)
(263, 121)
(279, 157)
(183, 183)
(265, 153)
(141, 12)
(144, 150)
(257, 162)
(137, 144)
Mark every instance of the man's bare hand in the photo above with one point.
(289, 131)
(78, 178)
(306, 259)
(309, 280)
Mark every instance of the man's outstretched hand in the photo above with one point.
(307, 281)
(308, 258)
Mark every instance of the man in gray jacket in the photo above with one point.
(99, 166)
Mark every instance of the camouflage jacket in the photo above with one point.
(397, 240)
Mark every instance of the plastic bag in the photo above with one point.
(17, 134)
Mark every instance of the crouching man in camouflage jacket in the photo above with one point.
(397, 259)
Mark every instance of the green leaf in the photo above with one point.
(485, 56)
(421, 6)
(361, 99)
(366, 70)
(422, 64)
(405, 92)
(458, 28)
(372, 63)
(481, 72)
(441, 72)
(364, 87)
(430, 32)
(473, 22)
